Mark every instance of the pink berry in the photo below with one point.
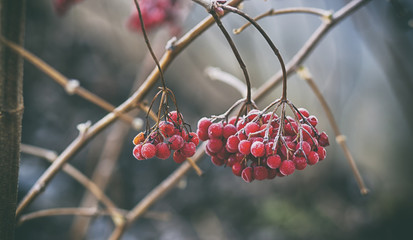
(137, 153)
(237, 169)
(203, 124)
(229, 130)
(247, 174)
(323, 140)
(313, 158)
(258, 149)
(312, 120)
(166, 128)
(303, 112)
(162, 151)
(300, 163)
(193, 137)
(321, 153)
(291, 128)
(215, 145)
(188, 150)
(244, 147)
(176, 142)
(305, 148)
(232, 144)
(274, 161)
(307, 131)
(175, 118)
(203, 135)
(215, 130)
(260, 173)
(287, 167)
(251, 127)
(252, 114)
(148, 150)
(232, 159)
(272, 173)
(178, 157)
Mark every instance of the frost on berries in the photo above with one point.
(255, 148)
(169, 136)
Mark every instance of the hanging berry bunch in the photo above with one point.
(261, 144)
(170, 132)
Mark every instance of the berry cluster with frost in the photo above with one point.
(256, 148)
(166, 137)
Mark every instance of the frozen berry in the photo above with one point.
(323, 140)
(229, 130)
(215, 130)
(203, 135)
(217, 161)
(313, 158)
(137, 153)
(162, 151)
(166, 128)
(237, 169)
(287, 167)
(251, 127)
(303, 112)
(258, 149)
(321, 153)
(247, 174)
(244, 147)
(178, 157)
(148, 150)
(215, 145)
(188, 150)
(300, 163)
(274, 161)
(176, 142)
(204, 123)
(232, 144)
(312, 120)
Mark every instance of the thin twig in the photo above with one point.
(308, 46)
(78, 143)
(236, 53)
(217, 74)
(340, 138)
(78, 176)
(315, 11)
(71, 86)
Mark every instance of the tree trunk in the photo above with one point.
(11, 112)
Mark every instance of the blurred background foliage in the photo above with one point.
(363, 67)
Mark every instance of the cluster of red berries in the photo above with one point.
(167, 136)
(255, 148)
(154, 13)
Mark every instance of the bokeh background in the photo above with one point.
(363, 67)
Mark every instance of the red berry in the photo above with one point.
(176, 142)
(203, 135)
(229, 130)
(215, 145)
(178, 157)
(189, 149)
(303, 112)
(274, 161)
(232, 144)
(251, 127)
(258, 149)
(166, 128)
(300, 162)
(148, 150)
(247, 174)
(137, 153)
(217, 161)
(323, 140)
(232, 120)
(244, 147)
(321, 153)
(307, 131)
(162, 151)
(215, 130)
(237, 169)
(287, 167)
(203, 124)
(305, 149)
(291, 128)
(312, 120)
(313, 158)
(260, 173)
(291, 147)
(174, 117)
(193, 137)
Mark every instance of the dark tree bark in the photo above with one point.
(11, 112)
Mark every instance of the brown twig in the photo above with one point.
(78, 176)
(71, 86)
(315, 11)
(340, 138)
(78, 143)
(308, 46)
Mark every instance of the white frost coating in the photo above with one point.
(71, 86)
